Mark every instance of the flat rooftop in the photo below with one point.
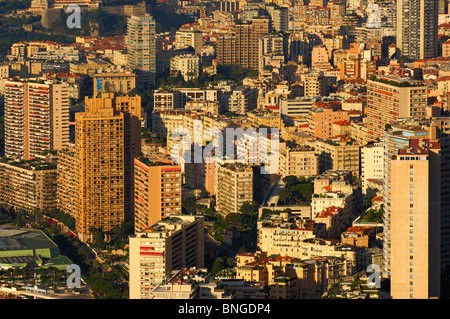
(29, 246)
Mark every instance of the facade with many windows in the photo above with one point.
(170, 244)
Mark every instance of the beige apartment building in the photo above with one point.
(292, 278)
(322, 117)
(170, 244)
(393, 97)
(141, 44)
(165, 122)
(360, 133)
(157, 192)
(339, 154)
(243, 99)
(315, 84)
(166, 100)
(36, 116)
(28, 185)
(399, 136)
(415, 221)
(276, 239)
(320, 202)
(319, 247)
(187, 64)
(188, 38)
(208, 107)
(298, 161)
(90, 67)
(265, 119)
(234, 187)
(334, 219)
(320, 58)
(395, 138)
(241, 45)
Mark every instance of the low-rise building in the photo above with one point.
(293, 278)
(358, 236)
(243, 99)
(334, 181)
(284, 237)
(29, 247)
(319, 247)
(184, 284)
(187, 64)
(322, 201)
(335, 220)
(323, 116)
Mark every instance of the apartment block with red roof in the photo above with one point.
(323, 116)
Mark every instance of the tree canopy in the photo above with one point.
(297, 191)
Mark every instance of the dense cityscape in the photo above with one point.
(224, 149)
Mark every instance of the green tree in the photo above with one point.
(98, 236)
(217, 266)
(249, 208)
(229, 262)
(234, 219)
(285, 196)
(242, 250)
(189, 205)
(290, 181)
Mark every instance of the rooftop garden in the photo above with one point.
(149, 137)
(405, 83)
(141, 157)
(34, 164)
(297, 191)
(372, 215)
